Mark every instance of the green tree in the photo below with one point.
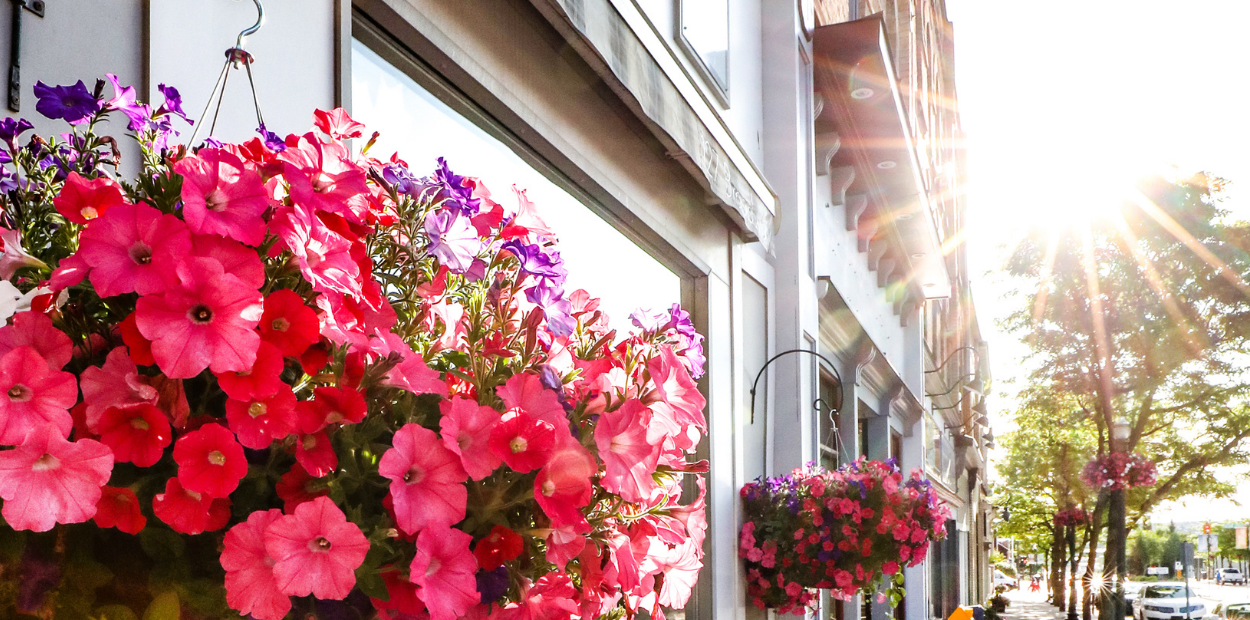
(1144, 316)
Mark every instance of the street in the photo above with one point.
(1208, 592)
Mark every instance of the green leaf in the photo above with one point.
(164, 607)
(161, 544)
(371, 583)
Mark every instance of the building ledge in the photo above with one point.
(874, 164)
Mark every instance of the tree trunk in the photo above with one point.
(1057, 560)
(1113, 564)
(1087, 580)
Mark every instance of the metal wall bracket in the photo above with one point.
(15, 49)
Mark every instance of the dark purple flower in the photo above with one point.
(8, 180)
(492, 584)
(173, 103)
(272, 140)
(11, 128)
(124, 101)
(72, 103)
(452, 188)
(212, 142)
(399, 176)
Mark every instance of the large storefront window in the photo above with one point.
(421, 128)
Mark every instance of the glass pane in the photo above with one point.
(705, 26)
(421, 129)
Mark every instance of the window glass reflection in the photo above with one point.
(705, 27)
(421, 129)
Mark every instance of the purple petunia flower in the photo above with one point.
(492, 584)
(535, 261)
(402, 178)
(11, 128)
(272, 140)
(452, 189)
(73, 103)
(452, 240)
(557, 309)
(124, 101)
(173, 103)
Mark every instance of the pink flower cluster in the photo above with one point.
(1119, 470)
(391, 359)
(1071, 517)
(846, 531)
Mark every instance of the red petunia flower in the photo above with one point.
(140, 348)
(261, 421)
(523, 441)
(82, 200)
(188, 512)
(296, 487)
(210, 461)
(137, 434)
(337, 124)
(499, 546)
(288, 323)
(316, 454)
(119, 508)
(563, 486)
(262, 380)
(331, 405)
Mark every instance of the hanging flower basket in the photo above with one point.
(1073, 517)
(1119, 470)
(846, 531)
(313, 381)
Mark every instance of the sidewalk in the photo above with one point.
(1031, 606)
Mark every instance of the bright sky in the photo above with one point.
(1063, 100)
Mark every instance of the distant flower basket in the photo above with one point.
(1071, 517)
(1119, 471)
(845, 530)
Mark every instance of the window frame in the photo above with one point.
(718, 90)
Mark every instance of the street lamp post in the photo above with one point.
(1117, 517)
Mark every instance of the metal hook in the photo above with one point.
(251, 30)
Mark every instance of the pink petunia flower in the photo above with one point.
(331, 405)
(628, 457)
(259, 422)
(563, 486)
(552, 597)
(411, 373)
(221, 195)
(14, 256)
(82, 200)
(316, 454)
(119, 508)
(316, 551)
(288, 323)
(35, 330)
(136, 434)
(130, 247)
(466, 427)
(427, 481)
(324, 257)
(262, 380)
(48, 480)
(523, 441)
(210, 461)
(525, 391)
(323, 178)
(250, 586)
(208, 321)
(337, 124)
(296, 487)
(188, 512)
(444, 570)
(236, 259)
(33, 396)
(116, 384)
(679, 399)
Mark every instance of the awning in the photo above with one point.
(855, 78)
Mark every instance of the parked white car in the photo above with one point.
(1229, 575)
(1236, 609)
(1005, 580)
(1167, 601)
